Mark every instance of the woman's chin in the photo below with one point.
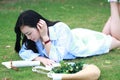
(36, 40)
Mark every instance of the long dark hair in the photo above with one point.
(28, 18)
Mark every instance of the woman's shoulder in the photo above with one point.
(60, 23)
(59, 27)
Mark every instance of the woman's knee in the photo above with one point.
(115, 43)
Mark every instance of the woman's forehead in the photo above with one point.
(26, 29)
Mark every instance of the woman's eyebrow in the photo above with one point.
(26, 33)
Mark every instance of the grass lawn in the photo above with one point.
(90, 14)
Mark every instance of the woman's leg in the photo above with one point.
(119, 8)
(106, 29)
(115, 43)
(112, 27)
(115, 21)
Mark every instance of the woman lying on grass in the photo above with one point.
(50, 42)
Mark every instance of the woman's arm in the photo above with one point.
(60, 37)
(61, 41)
(43, 30)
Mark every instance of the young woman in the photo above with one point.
(51, 42)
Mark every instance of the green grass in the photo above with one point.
(90, 14)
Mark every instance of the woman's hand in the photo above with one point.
(45, 61)
(42, 27)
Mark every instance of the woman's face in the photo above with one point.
(31, 33)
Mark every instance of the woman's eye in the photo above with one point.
(29, 33)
